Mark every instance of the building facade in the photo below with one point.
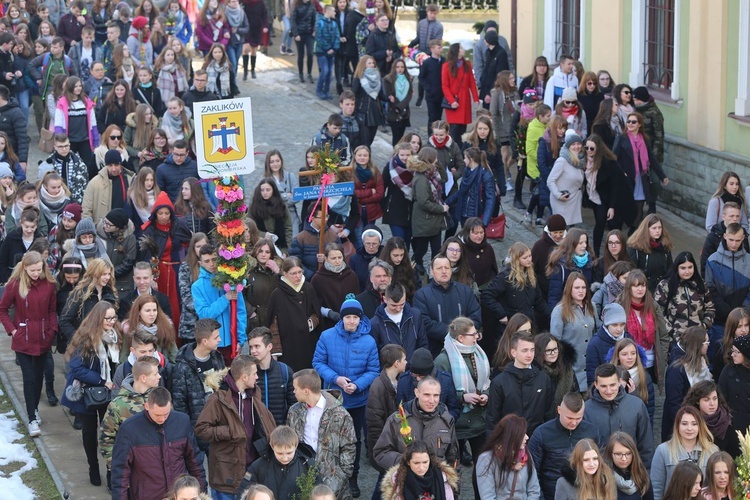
(694, 56)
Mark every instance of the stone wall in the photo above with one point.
(694, 172)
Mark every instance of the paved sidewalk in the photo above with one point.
(286, 115)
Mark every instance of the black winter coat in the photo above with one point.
(410, 334)
(351, 20)
(396, 208)
(504, 299)
(604, 131)
(370, 300)
(11, 252)
(734, 383)
(626, 159)
(106, 117)
(496, 60)
(276, 390)
(654, 265)
(527, 393)
(75, 312)
(188, 391)
(540, 253)
(282, 479)
(368, 110)
(609, 183)
(13, 123)
(551, 445)
(150, 96)
(590, 104)
(376, 46)
(303, 19)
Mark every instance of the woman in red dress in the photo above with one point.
(165, 240)
(459, 90)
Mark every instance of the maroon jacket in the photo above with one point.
(368, 199)
(147, 457)
(35, 317)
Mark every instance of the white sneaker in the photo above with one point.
(509, 186)
(34, 429)
(38, 417)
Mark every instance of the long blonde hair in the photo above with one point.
(87, 286)
(19, 272)
(567, 304)
(137, 191)
(600, 485)
(519, 275)
(86, 340)
(362, 66)
(704, 439)
(142, 132)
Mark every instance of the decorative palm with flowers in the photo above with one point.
(233, 259)
(742, 482)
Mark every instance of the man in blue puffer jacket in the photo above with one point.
(347, 356)
(210, 302)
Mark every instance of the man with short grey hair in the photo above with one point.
(381, 274)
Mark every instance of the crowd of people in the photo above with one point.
(540, 368)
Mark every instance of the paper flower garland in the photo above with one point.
(230, 235)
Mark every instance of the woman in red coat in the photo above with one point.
(31, 292)
(368, 186)
(460, 90)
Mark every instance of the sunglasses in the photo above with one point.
(115, 137)
(591, 82)
(632, 122)
(569, 103)
(589, 148)
(626, 92)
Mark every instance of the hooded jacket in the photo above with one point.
(13, 123)
(427, 213)
(61, 119)
(525, 392)
(210, 302)
(504, 298)
(349, 354)
(340, 143)
(336, 442)
(440, 305)
(122, 254)
(305, 248)
(156, 240)
(597, 349)
(556, 84)
(626, 413)
(75, 53)
(222, 423)
(147, 457)
(279, 478)
(170, 176)
(410, 334)
(436, 429)
(551, 445)
(124, 405)
(489, 476)
(713, 241)
(728, 280)
(687, 307)
(407, 383)
(34, 319)
(381, 404)
(565, 487)
(188, 388)
(12, 250)
(476, 195)
(397, 207)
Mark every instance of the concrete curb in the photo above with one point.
(20, 409)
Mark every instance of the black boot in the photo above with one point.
(51, 397)
(77, 424)
(354, 487)
(94, 476)
(109, 479)
(245, 58)
(339, 87)
(252, 66)
(310, 78)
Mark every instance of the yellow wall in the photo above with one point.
(604, 49)
(527, 48)
(707, 60)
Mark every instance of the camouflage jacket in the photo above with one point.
(126, 404)
(653, 126)
(336, 442)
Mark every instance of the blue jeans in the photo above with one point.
(402, 232)
(286, 36)
(234, 52)
(218, 495)
(23, 102)
(325, 64)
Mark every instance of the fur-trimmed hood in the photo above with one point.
(392, 492)
(216, 378)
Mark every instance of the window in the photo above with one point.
(742, 102)
(568, 29)
(658, 64)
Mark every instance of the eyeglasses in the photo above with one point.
(62, 146)
(108, 224)
(115, 137)
(110, 319)
(179, 155)
(569, 103)
(372, 245)
(620, 456)
(453, 250)
(614, 243)
(551, 351)
(632, 122)
(589, 148)
(475, 334)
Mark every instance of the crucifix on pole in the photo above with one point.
(327, 167)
